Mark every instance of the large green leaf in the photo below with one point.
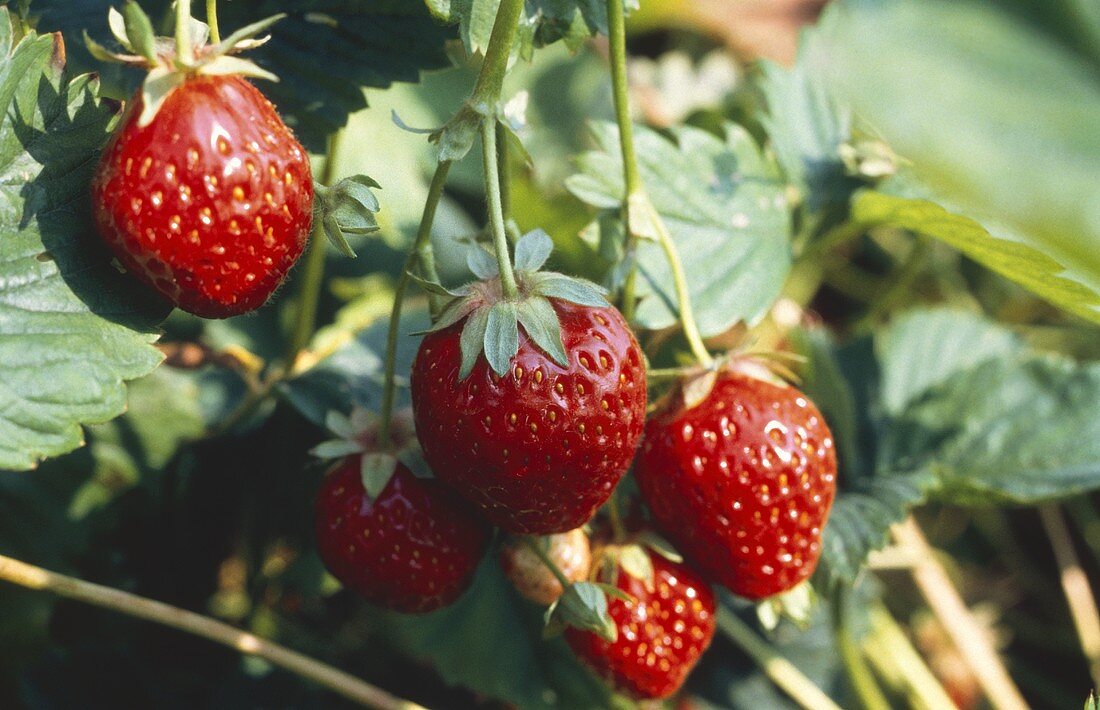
(324, 52)
(72, 328)
(725, 206)
(1016, 430)
(926, 347)
(997, 118)
(489, 641)
(1013, 258)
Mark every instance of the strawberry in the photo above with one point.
(661, 628)
(211, 202)
(539, 430)
(528, 574)
(202, 192)
(742, 481)
(413, 548)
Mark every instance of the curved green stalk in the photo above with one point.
(420, 245)
(859, 673)
(212, 20)
(546, 561)
(632, 182)
(185, 53)
(310, 294)
(496, 215)
(683, 297)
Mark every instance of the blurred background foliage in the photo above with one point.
(991, 109)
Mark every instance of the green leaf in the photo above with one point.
(1017, 430)
(807, 124)
(352, 375)
(489, 642)
(540, 321)
(72, 329)
(726, 210)
(324, 52)
(926, 347)
(1033, 268)
(472, 341)
(860, 522)
(1011, 142)
(501, 336)
(532, 250)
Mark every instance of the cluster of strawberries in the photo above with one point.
(741, 480)
(205, 194)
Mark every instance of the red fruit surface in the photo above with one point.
(661, 635)
(541, 448)
(211, 203)
(742, 483)
(413, 549)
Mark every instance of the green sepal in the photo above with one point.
(400, 123)
(454, 312)
(347, 208)
(482, 263)
(567, 288)
(796, 605)
(540, 321)
(532, 250)
(471, 340)
(98, 51)
(245, 37)
(583, 605)
(226, 65)
(501, 336)
(635, 561)
(117, 23)
(139, 31)
(456, 138)
(376, 470)
(437, 288)
(158, 84)
(335, 449)
(659, 545)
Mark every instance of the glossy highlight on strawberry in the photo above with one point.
(742, 482)
(413, 549)
(211, 203)
(662, 633)
(540, 448)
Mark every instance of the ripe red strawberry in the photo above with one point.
(661, 634)
(211, 202)
(571, 553)
(742, 482)
(540, 447)
(414, 548)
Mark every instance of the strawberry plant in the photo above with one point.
(549, 353)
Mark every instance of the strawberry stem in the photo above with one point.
(536, 547)
(212, 20)
(683, 298)
(496, 215)
(490, 80)
(420, 247)
(345, 684)
(632, 181)
(185, 53)
(314, 271)
(618, 530)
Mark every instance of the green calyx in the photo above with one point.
(345, 209)
(493, 321)
(583, 606)
(357, 435)
(171, 61)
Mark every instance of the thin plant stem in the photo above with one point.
(888, 643)
(184, 51)
(310, 294)
(535, 547)
(967, 634)
(496, 217)
(420, 245)
(490, 80)
(504, 170)
(350, 687)
(632, 182)
(683, 298)
(212, 21)
(1075, 585)
(618, 530)
(779, 670)
(859, 673)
